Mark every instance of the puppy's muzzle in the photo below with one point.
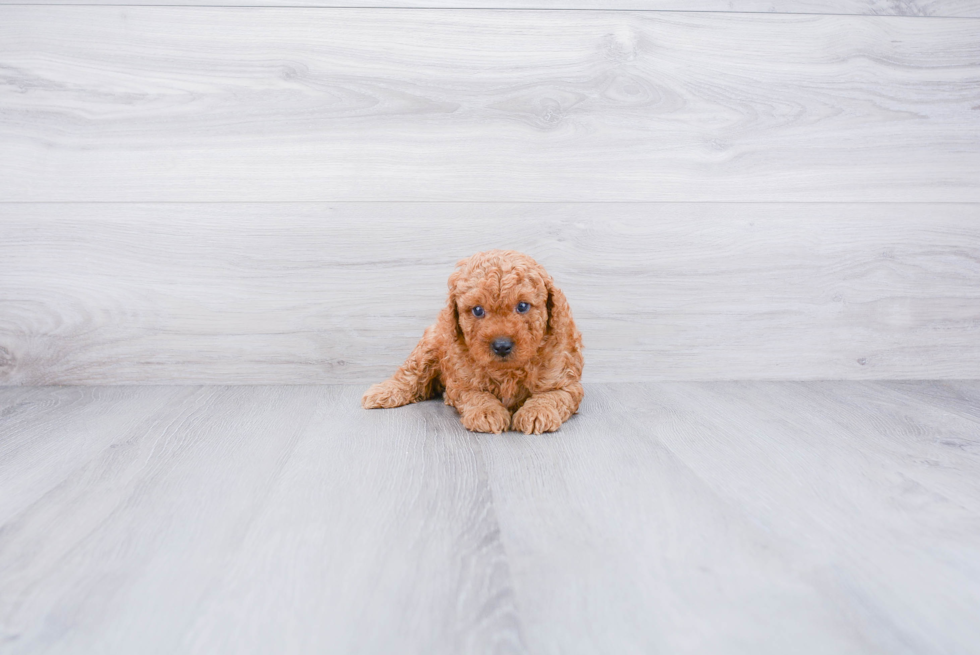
(501, 346)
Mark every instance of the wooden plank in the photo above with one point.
(855, 472)
(246, 519)
(743, 517)
(948, 8)
(728, 517)
(958, 398)
(235, 104)
(318, 293)
(616, 545)
(384, 540)
(47, 434)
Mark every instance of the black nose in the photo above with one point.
(502, 346)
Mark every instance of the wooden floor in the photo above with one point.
(723, 517)
(229, 192)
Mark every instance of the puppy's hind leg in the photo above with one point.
(416, 379)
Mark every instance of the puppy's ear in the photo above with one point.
(451, 308)
(559, 313)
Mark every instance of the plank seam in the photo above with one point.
(431, 8)
(488, 202)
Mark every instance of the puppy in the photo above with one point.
(504, 351)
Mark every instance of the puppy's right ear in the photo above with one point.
(451, 308)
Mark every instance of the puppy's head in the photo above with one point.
(504, 306)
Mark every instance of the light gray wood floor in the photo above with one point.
(739, 517)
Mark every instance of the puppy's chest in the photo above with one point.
(511, 391)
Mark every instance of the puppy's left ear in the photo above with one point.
(559, 313)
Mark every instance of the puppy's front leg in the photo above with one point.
(545, 412)
(414, 381)
(481, 411)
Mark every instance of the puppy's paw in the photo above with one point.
(384, 394)
(486, 418)
(535, 418)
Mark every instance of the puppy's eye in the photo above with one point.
(523, 307)
(478, 311)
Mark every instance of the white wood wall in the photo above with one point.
(277, 194)
(859, 7)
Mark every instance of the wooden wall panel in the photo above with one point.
(318, 293)
(948, 8)
(245, 104)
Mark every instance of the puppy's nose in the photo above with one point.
(501, 346)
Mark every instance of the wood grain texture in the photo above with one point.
(666, 517)
(746, 517)
(319, 293)
(252, 519)
(233, 104)
(948, 8)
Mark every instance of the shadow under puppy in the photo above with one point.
(504, 351)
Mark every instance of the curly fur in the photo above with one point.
(534, 389)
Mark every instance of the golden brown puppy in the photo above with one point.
(504, 351)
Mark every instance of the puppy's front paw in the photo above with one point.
(486, 418)
(384, 394)
(535, 418)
